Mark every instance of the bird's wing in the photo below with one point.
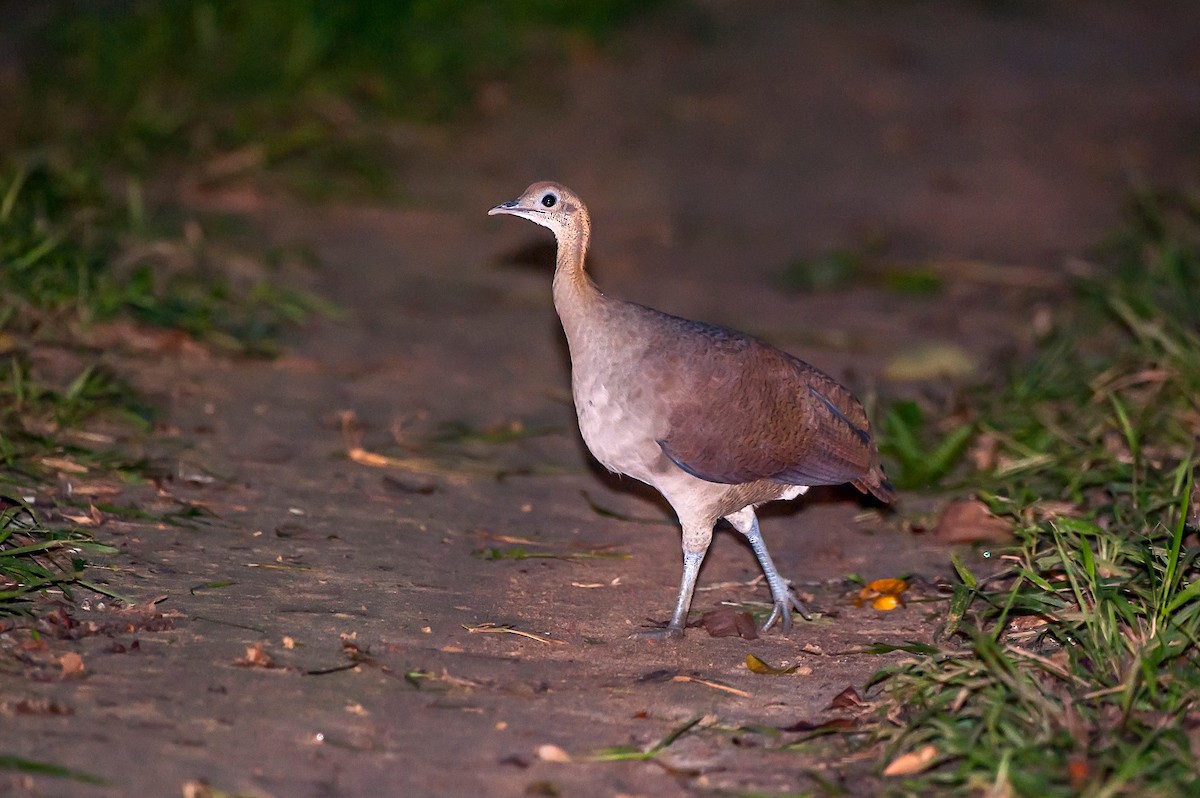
(741, 410)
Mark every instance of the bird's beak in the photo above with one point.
(511, 207)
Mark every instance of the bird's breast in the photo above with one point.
(618, 426)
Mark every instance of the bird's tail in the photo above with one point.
(876, 483)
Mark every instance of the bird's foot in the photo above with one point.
(667, 632)
(782, 612)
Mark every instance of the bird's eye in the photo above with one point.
(549, 200)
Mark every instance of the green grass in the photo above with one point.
(74, 253)
(1074, 667)
(42, 768)
(34, 557)
(73, 256)
(297, 91)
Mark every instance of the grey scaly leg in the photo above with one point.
(696, 537)
(746, 522)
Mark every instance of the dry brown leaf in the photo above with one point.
(71, 664)
(415, 464)
(64, 465)
(969, 521)
(847, 699)
(912, 763)
(93, 518)
(94, 489)
(726, 622)
(256, 657)
(1027, 623)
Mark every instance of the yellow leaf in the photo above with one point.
(885, 603)
(892, 587)
(758, 665)
(884, 594)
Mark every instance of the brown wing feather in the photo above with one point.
(742, 410)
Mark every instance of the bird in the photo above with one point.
(715, 420)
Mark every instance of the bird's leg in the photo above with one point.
(746, 522)
(695, 545)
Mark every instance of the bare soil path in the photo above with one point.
(712, 146)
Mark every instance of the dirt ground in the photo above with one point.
(712, 145)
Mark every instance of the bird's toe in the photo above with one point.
(781, 613)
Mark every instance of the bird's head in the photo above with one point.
(551, 205)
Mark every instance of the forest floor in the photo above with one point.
(357, 615)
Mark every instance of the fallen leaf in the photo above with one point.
(758, 665)
(93, 518)
(884, 594)
(552, 753)
(885, 603)
(912, 763)
(847, 699)
(415, 464)
(970, 521)
(71, 664)
(62, 464)
(256, 657)
(94, 489)
(1027, 623)
(726, 622)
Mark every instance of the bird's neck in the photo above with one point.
(576, 297)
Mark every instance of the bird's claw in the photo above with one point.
(781, 613)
